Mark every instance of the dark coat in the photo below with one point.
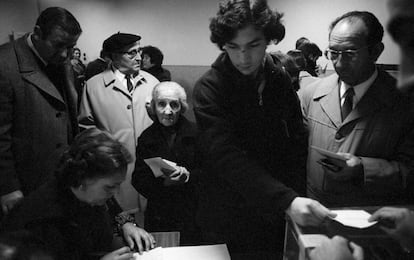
(95, 67)
(160, 73)
(37, 117)
(251, 153)
(70, 228)
(169, 208)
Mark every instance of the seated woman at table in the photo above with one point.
(171, 197)
(70, 212)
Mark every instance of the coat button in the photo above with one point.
(129, 107)
(338, 136)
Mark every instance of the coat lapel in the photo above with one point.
(377, 96)
(328, 95)
(110, 80)
(31, 71)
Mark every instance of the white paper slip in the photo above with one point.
(328, 154)
(353, 218)
(157, 163)
(209, 252)
(154, 254)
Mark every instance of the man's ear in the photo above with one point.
(37, 33)
(376, 50)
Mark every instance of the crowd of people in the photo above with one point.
(75, 139)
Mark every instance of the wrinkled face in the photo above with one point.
(351, 36)
(128, 61)
(167, 106)
(247, 50)
(98, 191)
(56, 47)
(146, 61)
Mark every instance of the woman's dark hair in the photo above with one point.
(93, 154)
(234, 15)
(375, 30)
(154, 53)
(53, 17)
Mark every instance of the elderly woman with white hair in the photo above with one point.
(172, 197)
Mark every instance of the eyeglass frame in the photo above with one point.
(349, 54)
(132, 53)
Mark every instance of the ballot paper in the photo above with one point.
(209, 252)
(158, 163)
(353, 218)
(328, 154)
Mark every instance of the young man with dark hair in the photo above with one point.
(253, 138)
(152, 58)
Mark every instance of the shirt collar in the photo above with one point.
(137, 79)
(32, 47)
(359, 89)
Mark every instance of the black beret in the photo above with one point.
(118, 41)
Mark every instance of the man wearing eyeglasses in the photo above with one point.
(359, 115)
(115, 99)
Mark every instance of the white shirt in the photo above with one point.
(359, 89)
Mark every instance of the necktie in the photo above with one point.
(129, 83)
(348, 103)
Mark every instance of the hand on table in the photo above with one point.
(134, 235)
(119, 254)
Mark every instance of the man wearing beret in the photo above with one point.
(114, 100)
(37, 104)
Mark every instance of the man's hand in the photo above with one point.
(398, 223)
(350, 169)
(178, 177)
(120, 254)
(134, 235)
(337, 248)
(308, 212)
(9, 200)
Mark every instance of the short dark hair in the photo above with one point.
(93, 154)
(298, 57)
(234, 15)
(53, 17)
(154, 53)
(375, 29)
(310, 48)
(301, 41)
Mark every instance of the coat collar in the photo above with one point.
(31, 70)
(379, 95)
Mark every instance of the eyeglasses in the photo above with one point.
(346, 54)
(132, 53)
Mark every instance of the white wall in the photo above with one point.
(180, 27)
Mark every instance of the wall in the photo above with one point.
(180, 27)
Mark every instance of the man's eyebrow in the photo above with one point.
(250, 42)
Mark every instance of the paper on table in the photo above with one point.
(157, 163)
(154, 254)
(209, 252)
(353, 218)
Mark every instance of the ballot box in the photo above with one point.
(376, 243)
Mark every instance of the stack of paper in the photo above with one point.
(210, 252)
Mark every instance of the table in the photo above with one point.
(376, 243)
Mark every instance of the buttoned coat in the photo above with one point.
(37, 120)
(107, 105)
(379, 130)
